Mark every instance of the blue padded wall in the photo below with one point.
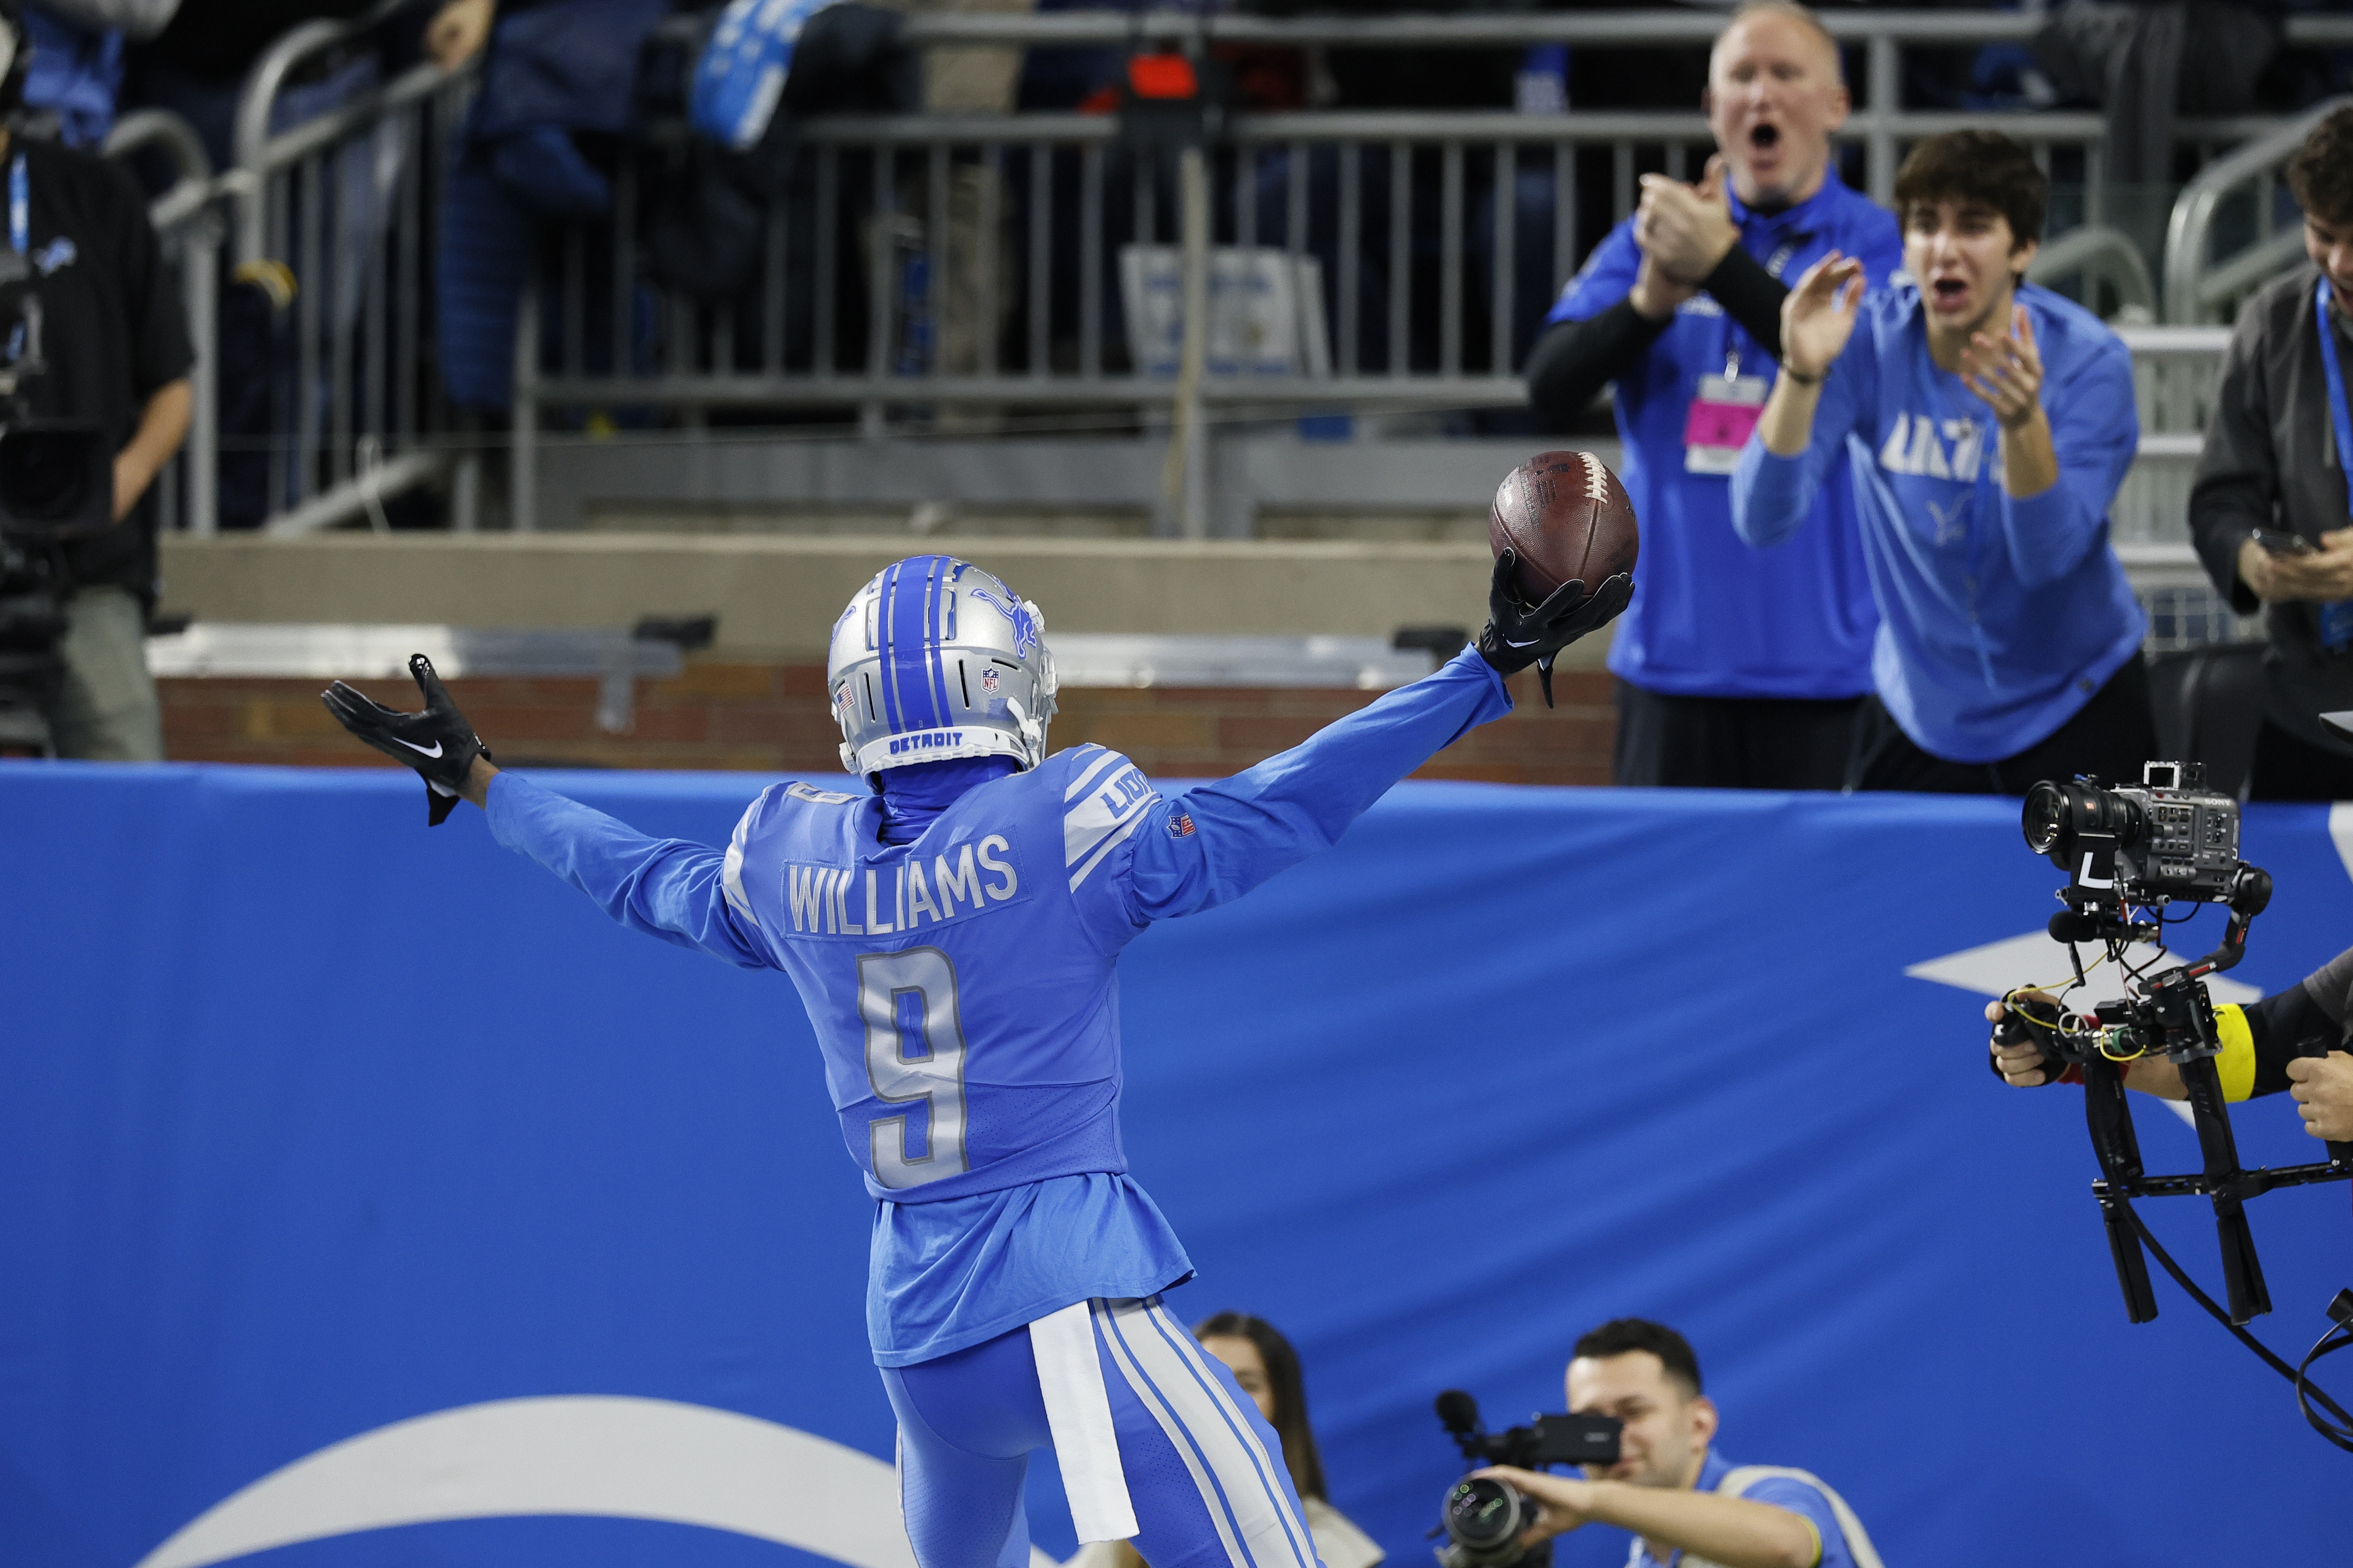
(312, 1121)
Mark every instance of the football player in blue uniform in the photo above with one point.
(953, 929)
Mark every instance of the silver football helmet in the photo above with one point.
(935, 658)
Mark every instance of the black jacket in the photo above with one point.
(2270, 461)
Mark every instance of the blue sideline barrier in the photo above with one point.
(313, 1121)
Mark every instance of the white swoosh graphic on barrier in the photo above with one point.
(581, 1455)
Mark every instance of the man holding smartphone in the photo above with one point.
(2269, 508)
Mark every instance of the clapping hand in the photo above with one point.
(1685, 230)
(1819, 316)
(2007, 373)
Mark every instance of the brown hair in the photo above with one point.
(2321, 171)
(1983, 168)
(1299, 1456)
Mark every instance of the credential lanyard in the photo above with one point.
(20, 207)
(2336, 619)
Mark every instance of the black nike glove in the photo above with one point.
(439, 743)
(1517, 636)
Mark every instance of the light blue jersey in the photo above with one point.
(962, 986)
(1999, 615)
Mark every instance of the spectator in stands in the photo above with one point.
(117, 353)
(1670, 1486)
(1267, 1368)
(2275, 470)
(1734, 669)
(1987, 423)
(78, 59)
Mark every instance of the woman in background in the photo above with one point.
(1267, 1368)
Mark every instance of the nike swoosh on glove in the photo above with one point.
(1517, 635)
(439, 743)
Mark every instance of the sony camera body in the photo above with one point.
(1484, 1517)
(2168, 838)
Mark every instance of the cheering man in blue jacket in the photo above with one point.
(1734, 669)
(1987, 423)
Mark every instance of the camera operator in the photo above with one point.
(1669, 1486)
(2268, 507)
(2259, 1052)
(113, 345)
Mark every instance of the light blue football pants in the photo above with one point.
(1204, 1470)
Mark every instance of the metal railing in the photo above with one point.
(1436, 239)
(2097, 255)
(2202, 287)
(346, 195)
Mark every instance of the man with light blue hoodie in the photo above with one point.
(1987, 423)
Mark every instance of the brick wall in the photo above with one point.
(772, 718)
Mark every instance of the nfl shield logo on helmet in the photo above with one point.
(989, 680)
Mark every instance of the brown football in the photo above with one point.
(1569, 516)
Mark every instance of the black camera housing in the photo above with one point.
(2168, 838)
(1482, 1517)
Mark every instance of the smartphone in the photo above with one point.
(2279, 542)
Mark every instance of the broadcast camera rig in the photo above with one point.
(2140, 849)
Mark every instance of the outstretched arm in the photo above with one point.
(663, 887)
(1239, 832)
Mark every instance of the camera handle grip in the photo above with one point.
(2338, 1153)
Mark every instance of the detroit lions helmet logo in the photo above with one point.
(1025, 625)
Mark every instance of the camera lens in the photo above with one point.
(2045, 816)
(1485, 1518)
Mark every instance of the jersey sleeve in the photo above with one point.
(1796, 1497)
(665, 888)
(1157, 857)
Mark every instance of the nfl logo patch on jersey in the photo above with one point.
(990, 680)
(1180, 826)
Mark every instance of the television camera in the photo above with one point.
(2129, 854)
(1482, 1516)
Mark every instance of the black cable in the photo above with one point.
(2293, 1374)
(2337, 1432)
